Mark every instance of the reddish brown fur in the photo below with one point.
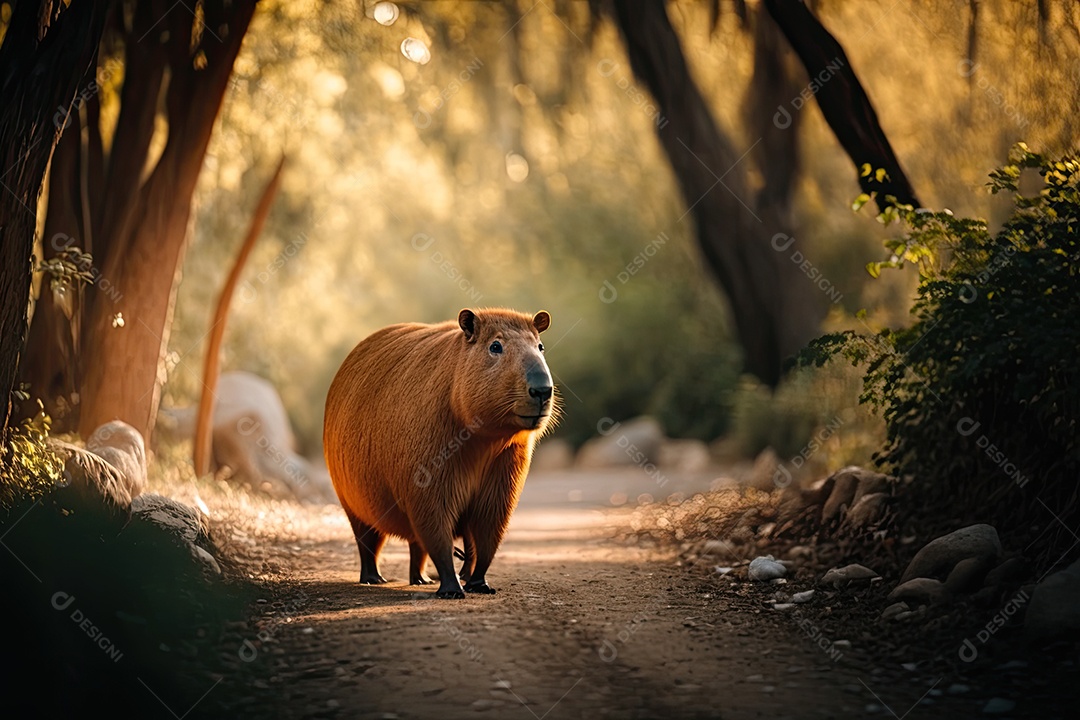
(424, 441)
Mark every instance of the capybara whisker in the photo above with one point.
(429, 432)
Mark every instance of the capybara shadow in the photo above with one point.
(428, 434)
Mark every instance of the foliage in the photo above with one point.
(28, 468)
(981, 393)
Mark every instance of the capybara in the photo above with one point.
(428, 435)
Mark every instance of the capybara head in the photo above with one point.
(502, 384)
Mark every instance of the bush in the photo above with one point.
(981, 394)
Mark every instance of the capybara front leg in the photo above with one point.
(417, 559)
(369, 542)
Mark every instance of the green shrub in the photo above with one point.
(981, 394)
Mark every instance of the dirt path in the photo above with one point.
(581, 627)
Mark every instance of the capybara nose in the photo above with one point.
(543, 394)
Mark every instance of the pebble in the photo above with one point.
(766, 568)
(504, 684)
(910, 667)
(801, 597)
(842, 644)
(755, 678)
(998, 706)
(872, 708)
(958, 689)
(722, 570)
(783, 606)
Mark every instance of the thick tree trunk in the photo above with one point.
(142, 227)
(770, 301)
(48, 50)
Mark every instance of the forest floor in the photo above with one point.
(584, 625)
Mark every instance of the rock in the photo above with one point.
(958, 689)
(842, 644)
(1054, 609)
(766, 568)
(967, 576)
(625, 444)
(121, 446)
(764, 475)
(173, 536)
(925, 591)
(870, 483)
(183, 522)
(802, 597)
(553, 454)
(940, 556)
(867, 509)
(844, 484)
(1011, 570)
(684, 455)
(841, 576)
(998, 706)
(893, 610)
(90, 484)
(783, 606)
(252, 437)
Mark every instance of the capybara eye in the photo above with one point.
(541, 346)
(496, 347)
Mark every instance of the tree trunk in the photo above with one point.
(843, 101)
(204, 422)
(46, 54)
(773, 311)
(138, 227)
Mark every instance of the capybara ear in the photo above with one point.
(541, 321)
(467, 320)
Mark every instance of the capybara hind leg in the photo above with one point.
(484, 545)
(441, 547)
(369, 542)
(469, 559)
(417, 559)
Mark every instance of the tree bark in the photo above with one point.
(843, 101)
(773, 312)
(139, 227)
(46, 54)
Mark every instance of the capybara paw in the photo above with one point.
(480, 587)
(450, 594)
(372, 579)
(421, 580)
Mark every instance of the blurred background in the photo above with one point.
(517, 165)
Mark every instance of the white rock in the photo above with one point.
(626, 444)
(802, 597)
(766, 568)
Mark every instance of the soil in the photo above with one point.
(583, 625)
